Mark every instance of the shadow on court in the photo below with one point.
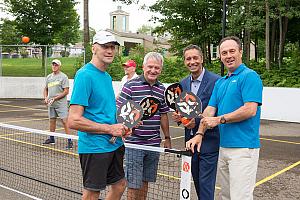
(279, 164)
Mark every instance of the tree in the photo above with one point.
(145, 29)
(9, 35)
(190, 21)
(267, 36)
(92, 32)
(246, 19)
(128, 2)
(281, 13)
(198, 22)
(86, 33)
(45, 21)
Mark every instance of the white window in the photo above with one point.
(124, 24)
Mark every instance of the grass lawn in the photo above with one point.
(32, 67)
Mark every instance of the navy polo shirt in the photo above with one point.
(229, 94)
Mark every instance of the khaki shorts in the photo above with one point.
(61, 112)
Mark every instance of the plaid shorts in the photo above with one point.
(140, 165)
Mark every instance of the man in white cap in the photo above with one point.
(55, 96)
(93, 114)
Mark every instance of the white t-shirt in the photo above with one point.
(125, 80)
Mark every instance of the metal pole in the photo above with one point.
(223, 30)
(46, 61)
(83, 56)
(0, 60)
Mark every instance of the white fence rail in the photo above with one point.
(281, 104)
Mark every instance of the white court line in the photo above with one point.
(27, 195)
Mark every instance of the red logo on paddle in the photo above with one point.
(186, 167)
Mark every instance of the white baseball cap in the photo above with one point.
(103, 37)
(56, 61)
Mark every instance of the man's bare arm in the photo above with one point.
(208, 112)
(246, 111)
(78, 122)
(62, 95)
(164, 123)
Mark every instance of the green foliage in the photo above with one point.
(64, 53)
(137, 54)
(173, 70)
(115, 69)
(23, 52)
(80, 61)
(9, 35)
(45, 21)
(189, 21)
(145, 29)
(81, 34)
(287, 76)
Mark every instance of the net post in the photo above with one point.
(84, 56)
(185, 181)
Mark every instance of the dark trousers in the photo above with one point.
(204, 171)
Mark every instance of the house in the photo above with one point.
(119, 27)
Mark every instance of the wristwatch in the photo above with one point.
(223, 120)
(167, 137)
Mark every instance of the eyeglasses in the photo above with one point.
(108, 46)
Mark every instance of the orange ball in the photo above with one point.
(25, 39)
(185, 120)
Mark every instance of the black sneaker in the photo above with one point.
(69, 145)
(49, 141)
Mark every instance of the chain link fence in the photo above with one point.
(35, 60)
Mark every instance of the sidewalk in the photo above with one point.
(276, 128)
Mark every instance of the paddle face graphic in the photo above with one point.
(129, 113)
(189, 105)
(150, 106)
(172, 93)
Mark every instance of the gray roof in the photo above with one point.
(132, 35)
(119, 12)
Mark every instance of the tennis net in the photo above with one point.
(52, 172)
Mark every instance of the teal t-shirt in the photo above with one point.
(94, 91)
(229, 94)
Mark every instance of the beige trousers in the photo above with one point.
(237, 172)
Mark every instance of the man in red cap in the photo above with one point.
(129, 69)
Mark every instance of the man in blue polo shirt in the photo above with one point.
(236, 98)
(93, 114)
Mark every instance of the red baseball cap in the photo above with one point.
(129, 63)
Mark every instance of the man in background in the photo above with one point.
(129, 69)
(55, 97)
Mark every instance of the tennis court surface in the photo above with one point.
(41, 171)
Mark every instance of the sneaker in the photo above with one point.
(69, 145)
(49, 141)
